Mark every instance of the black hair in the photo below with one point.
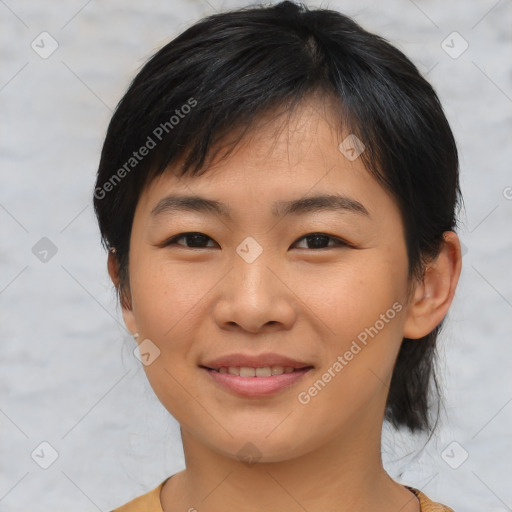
(221, 75)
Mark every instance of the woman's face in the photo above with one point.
(256, 289)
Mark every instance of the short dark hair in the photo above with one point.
(225, 72)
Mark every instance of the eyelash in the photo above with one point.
(339, 242)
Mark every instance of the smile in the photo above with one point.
(255, 382)
(246, 371)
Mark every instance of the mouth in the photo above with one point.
(255, 377)
(261, 371)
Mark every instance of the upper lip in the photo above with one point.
(260, 361)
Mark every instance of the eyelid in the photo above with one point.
(172, 240)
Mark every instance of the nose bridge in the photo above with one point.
(250, 267)
(253, 296)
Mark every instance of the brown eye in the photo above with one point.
(196, 240)
(321, 241)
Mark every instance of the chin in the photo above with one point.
(258, 448)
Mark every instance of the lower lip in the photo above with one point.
(257, 386)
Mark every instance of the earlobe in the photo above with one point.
(113, 271)
(113, 268)
(433, 296)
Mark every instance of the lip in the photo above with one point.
(267, 359)
(256, 386)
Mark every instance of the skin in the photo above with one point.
(295, 299)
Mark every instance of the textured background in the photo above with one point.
(67, 373)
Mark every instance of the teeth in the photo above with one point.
(265, 371)
(262, 372)
(277, 370)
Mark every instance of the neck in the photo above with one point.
(345, 474)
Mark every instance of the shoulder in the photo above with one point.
(426, 504)
(149, 502)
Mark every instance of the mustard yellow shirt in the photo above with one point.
(150, 502)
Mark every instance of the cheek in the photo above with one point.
(362, 307)
(165, 296)
(167, 305)
(362, 304)
(352, 295)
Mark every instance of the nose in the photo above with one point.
(255, 297)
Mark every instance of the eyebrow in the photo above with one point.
(312, 204)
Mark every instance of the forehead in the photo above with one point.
(302, 154)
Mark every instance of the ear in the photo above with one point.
(434, 294)
(113, 271)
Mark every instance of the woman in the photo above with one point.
(278, 192)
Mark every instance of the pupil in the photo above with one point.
(317, 238)
(198, 238)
